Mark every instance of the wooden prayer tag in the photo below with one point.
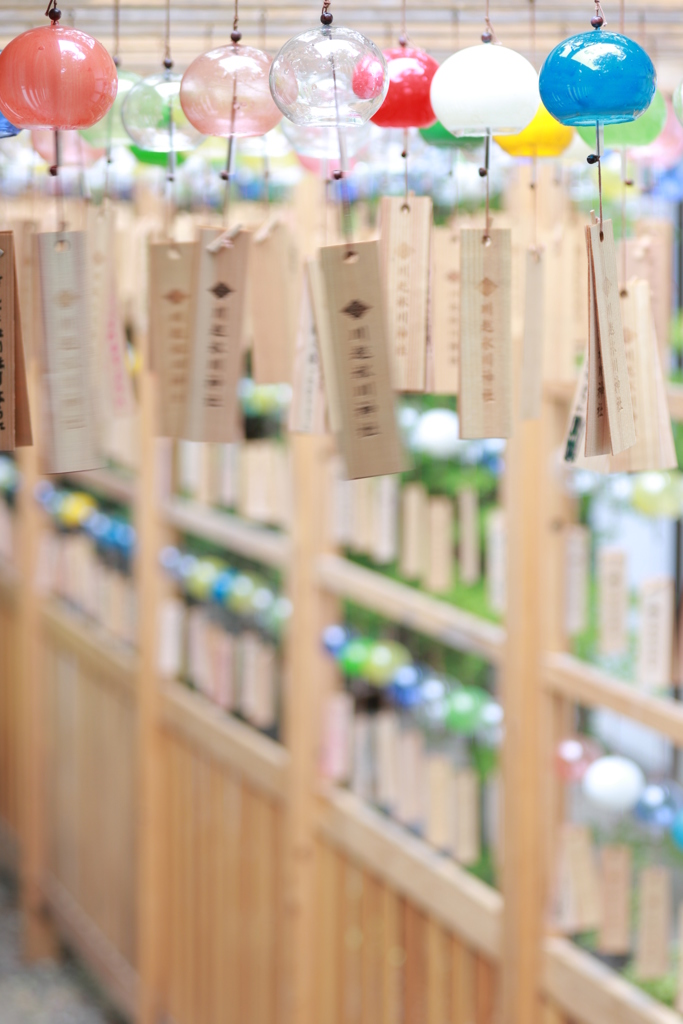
(441, 802)
(496, 560)
(485, 398)
(307, 411)
(216, 345)
(369, 438)
(609, 392)
(580, 891)
(649, 257)
(275, 286)
(614, 937)
(531, 381)
(414, 527)
(445, 280)
(405, 243)
(655, 635)
(574, 442)
(467, 847)
(386, 739)
(612, 599)
(654, 923)
(577, 567)
(170, 325)
(654, 448)
(385, 519)
(439, 577)
(15, 417)
(468, 536)
(336, 752)
(70, 417)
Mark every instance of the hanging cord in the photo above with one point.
(404, 154)
(226, 174)
(326, 20)
(403, 38)
(484, 173)
(532, 19)
(266, 159)
(622, 16)
(598, 21)
(110, 115)
(54, 14)
(488, 35)
(171, 162)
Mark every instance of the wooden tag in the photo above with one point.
(441, 803)
(170, 324)
(171, 630)
(531, 381)
(485, 398)
(655, 634)
(385, 520)
(612, 600)
(604, 283)
(362, 781)
(224, 670)
(275, 284)
(580, 894)
(439, 577)
(369, 437)
(318, 298)
(405, 243)
(576, 576)
(71, 423)
(614, 937)
(653, 956)
(341, 504)
(649, 256)
(496, 560)
(216, 348)
(445, 280)
(467, 846)
(229, 475)
(654, 448)
(264, 710)
(15, 417)
(574, 442)
(307, 411)
(410, 809)
(597, 433)
(337, 737)
(362, 509)
(386, 747)
(414, 526)
(469, 550)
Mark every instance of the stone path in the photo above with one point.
(42, 993)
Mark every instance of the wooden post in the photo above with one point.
(309, 675)
(151, 854)
(38, 938)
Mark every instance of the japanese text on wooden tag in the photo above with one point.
(369, 437)
(170, 325)
(531, 380)
(485, 398)
(446, 310)
(405, 244)
(216, 340)
(71, 423)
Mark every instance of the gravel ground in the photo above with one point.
(42, 993)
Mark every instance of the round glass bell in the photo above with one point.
(56, 77)
(437, 135)
(641, 132)
(154, 119)
(323, 143)
(485, 89)
(544, 137)
(407, 103)
(226, 92)
(110, 131)
(328, 77)
(597, 77)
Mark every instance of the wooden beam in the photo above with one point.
(229, 531)
(412, 608)
(192, 718)
(105, 483)
(585, 684)
(114, 661)
(591, 993)
(408, 865)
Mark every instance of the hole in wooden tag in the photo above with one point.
(62, 245)
(351, 257)
(2, 252)
(405, 208)
(173, 253)
(486, 240)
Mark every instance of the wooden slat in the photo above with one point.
(94, 646)
(412, 608)
(9, 849)
(563, 392)
(111, 969)
(8, 584)
(105, 483)
(593, 994)
(434, 883)
(231, 532)
(261, 761)
(587, 685)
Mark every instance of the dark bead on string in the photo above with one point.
(54, 170)
(597, 21)
(487, 37)
(117, 62)
(404, 154)
(483, 172)
(628, 181)
(337, 175)
(168, 63)
(593, 158)
(55, 14)
(225, 175)
(403, 41)
(326, 18)
(235, 36)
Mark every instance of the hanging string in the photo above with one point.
(266, 160)
(326, 20)
(489, 35)
(226, 175)
(403, 38)
(404, 154)
(532, 16)
(117, 30)
(484, 173)
(168, 62)
(171, 162)
(110, 116)
(622, 16)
